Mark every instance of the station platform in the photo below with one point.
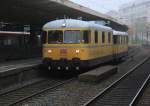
(14, 74)
(12, 67)
(98, 74)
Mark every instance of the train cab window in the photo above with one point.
(44, 35)
(71, 36)
(103, 37)
(55, 37)
(109, 37)
(96, 37)
(86, 37)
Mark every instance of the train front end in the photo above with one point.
(65, 48)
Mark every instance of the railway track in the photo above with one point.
(132, 52)
(144, 98)
(126, 90)
(20, 95)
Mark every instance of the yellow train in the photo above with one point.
(74, 44)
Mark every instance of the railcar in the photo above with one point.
(76, 44)
(120, 44)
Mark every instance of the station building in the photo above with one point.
(137, 15)
(26, 18)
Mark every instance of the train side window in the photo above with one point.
(115, 39)
(118, 39)
(96, 37)
(127, 39)
(44, 36)
(86, 36)
(103, 37)
(109, 37)
(124, 40)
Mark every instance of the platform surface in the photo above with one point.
(98, 74)
(7, 68)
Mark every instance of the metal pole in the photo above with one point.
(147, 28)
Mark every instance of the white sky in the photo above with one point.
(102, 5)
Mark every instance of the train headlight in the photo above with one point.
(49, 51)
(77, 51)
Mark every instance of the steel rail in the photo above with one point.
(40, 92)
(115, 82)
(139, 92)
(24, 86)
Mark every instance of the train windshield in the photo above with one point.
(55, 37)
(68, 37)
(72, 37)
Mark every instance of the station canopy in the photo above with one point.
(41, 11)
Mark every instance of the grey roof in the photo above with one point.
(14, 32)
(72, 23)
(120, 33)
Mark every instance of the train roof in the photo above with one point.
(72, 23)
(120, 33)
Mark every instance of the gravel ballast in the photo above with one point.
(77, 93)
